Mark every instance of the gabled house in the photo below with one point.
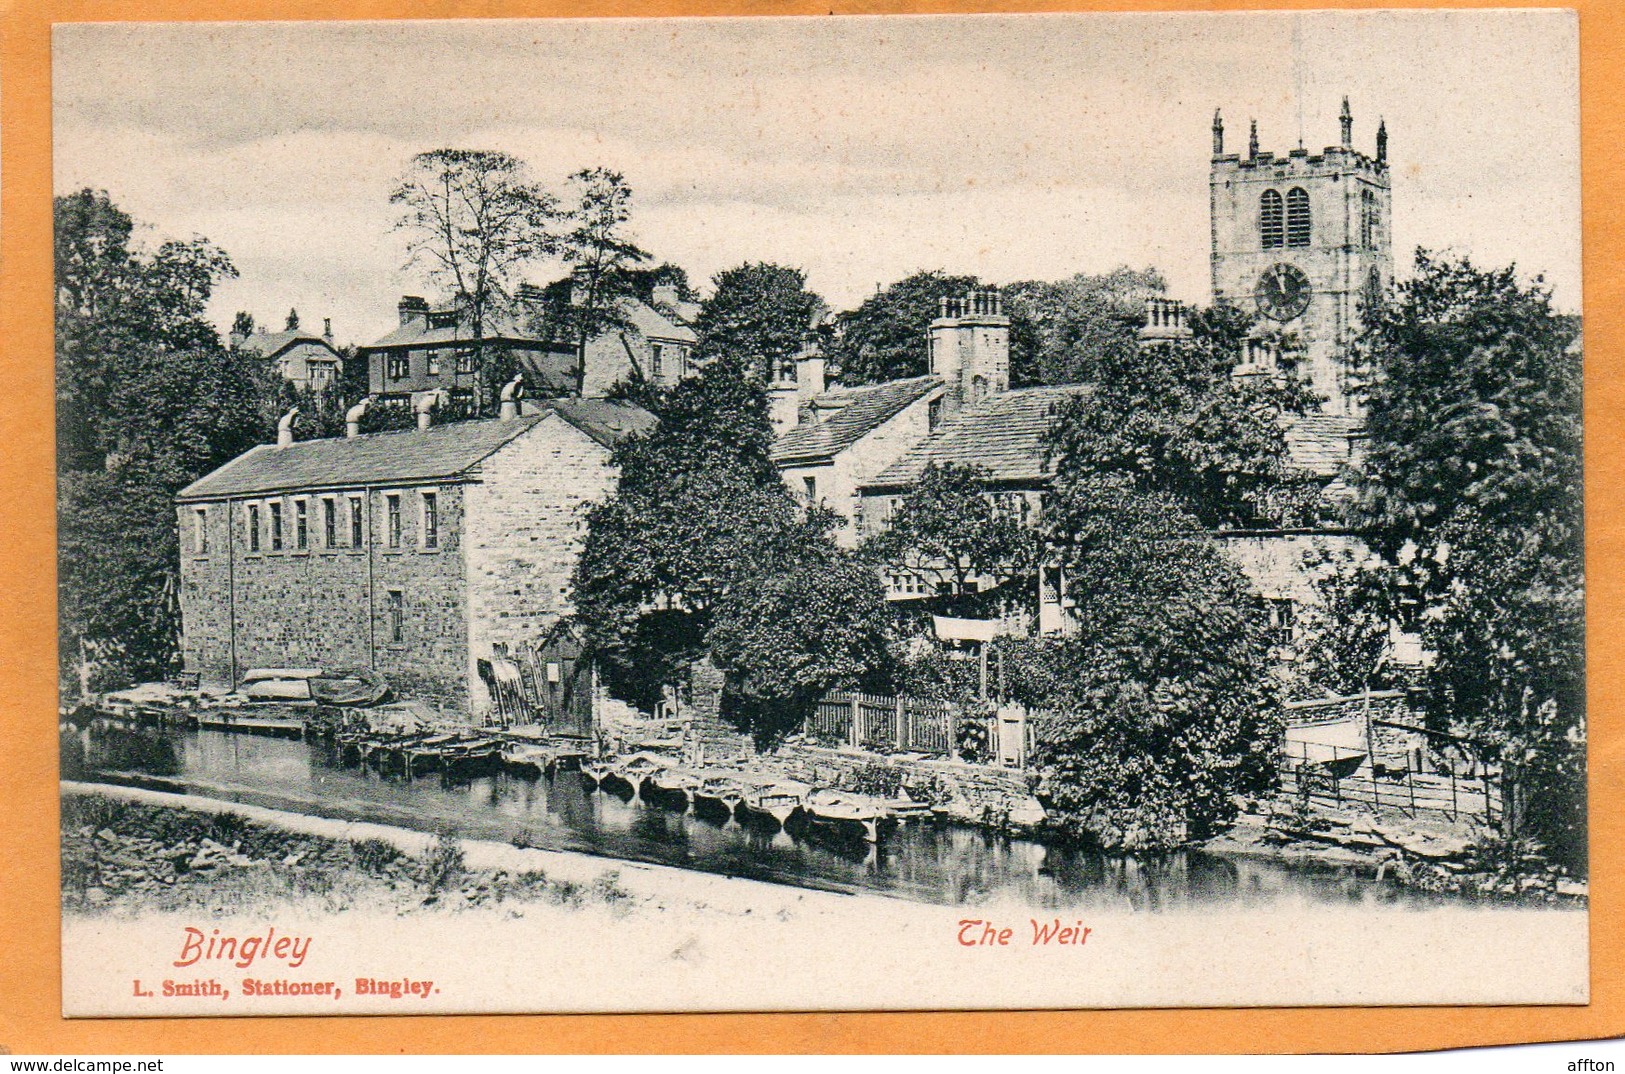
(433, 349)
(304, 359)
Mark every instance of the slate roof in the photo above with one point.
(1321, 443)
(653, 323)
(606, 421)
(857, 412)
(420, 334)
(1006, 436)
(272, 344)
(436, 453)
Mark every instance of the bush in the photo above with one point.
(444, 864)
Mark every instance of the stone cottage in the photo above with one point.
(429, 555)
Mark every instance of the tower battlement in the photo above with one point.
(1303, 240)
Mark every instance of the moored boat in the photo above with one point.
(851, 812)
(635, 770)
(776, 802)
(719, 792)
(672, 785)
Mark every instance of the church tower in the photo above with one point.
(1304, 241)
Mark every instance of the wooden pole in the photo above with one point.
(901, 730)
(855, 736)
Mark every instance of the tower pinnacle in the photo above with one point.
(1382, 141)
(1252, 141)
(1218, 134)
(1346, 120)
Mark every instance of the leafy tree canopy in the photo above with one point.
(951, 526)
(1159, 704)
(1173, 421)
(699, 549)
(885, 337)
(1472, 486)
(1062, 331)
(758, 313)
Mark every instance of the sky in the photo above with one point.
(859, 149)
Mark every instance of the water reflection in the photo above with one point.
(927, 861)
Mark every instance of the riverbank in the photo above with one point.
(129, 851)
(1429, 854)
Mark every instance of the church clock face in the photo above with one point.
(1282, 292)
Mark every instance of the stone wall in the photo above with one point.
(978, 794)
(327, 605)
(527, 519)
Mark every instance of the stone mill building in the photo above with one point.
(437, 556)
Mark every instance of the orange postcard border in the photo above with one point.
(30, 953)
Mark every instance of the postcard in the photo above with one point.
(820, 513)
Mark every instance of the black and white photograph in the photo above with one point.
(839, 513)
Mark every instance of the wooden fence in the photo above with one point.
(1350, 780)
(874, 722)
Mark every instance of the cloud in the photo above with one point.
(858, 148)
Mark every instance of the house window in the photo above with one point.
(933, 414)
(1282, 619)
(393, 514)
(1271, 222)
(399, 366)
(657, 361)
(810, 484)
(465, 360)
(1297, 217)
(330, 523)
(276, 525)
(431, 520)
(301, 525)
(355, 522)
(200, 534)
(253, 527)
(397, 616)
(434, 363)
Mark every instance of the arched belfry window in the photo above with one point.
(1270, 219)
(1297, 217)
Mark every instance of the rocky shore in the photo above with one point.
(1437, 855)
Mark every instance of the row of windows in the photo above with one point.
(461, 360)
(340, 523)
(1284, 223)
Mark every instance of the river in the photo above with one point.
(926, 861)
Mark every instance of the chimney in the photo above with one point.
(1166, 321)
(353, 416)
(284, 428)
(327, 329)
(511, 393)
(809, 371)
(238, 337)
(424, 404)
(413, 309)
(666, 294)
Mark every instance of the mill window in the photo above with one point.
(431, 520)
(355, 522)
(392, 513)
(253, 527)
(1271, 225)
(1297, 217)
(301, 525)
(276, 525)
(397, 616)
(330, 523)
(200, 535)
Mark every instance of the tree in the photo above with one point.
(949, 524)
(1159, 706)
(699, 553)
(759, 314)
(148, 400)
(1472, 486)
(1062, 331)
(1174, 421)
(600, 253)
(885, 338)
(473, 220)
